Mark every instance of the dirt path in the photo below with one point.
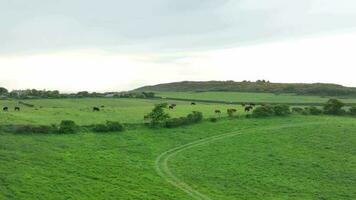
(162, 168)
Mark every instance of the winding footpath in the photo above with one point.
(161, 163)
(163, 170)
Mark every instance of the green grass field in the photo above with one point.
(249, 97)
(295, 157)
(52, 111)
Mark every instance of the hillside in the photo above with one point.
(319, 89)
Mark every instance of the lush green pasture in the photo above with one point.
(297, 157)
(49, 111)
(249, 97)
(312, 161)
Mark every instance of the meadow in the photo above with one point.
(251, 97)
(52, 111)
(293, 157)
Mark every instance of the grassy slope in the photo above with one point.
(249, 97)
(80, 110)
(121, 165)
(307, 162)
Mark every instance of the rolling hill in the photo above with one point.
(318, 89)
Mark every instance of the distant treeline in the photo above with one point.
(36, 94)
(319, 89)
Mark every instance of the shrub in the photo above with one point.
(352, 110)
(67, 126)
(110, 126)
(313, 110)
(34, 129)
(157, 115)
(333, 107)
(263, 111)
(195, 117)
(176, 122)
(100, 128)
(114, 126)
(281, 110)
(213, 119)
(297, 110)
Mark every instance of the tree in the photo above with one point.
(333, 107)
(157, 115)
(3, 91)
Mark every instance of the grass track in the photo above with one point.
(162, 168)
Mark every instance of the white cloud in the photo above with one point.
(327, 58)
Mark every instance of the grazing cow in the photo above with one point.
(232, 110)
(96, 109)
(217, 112)
(5, 109)
(193, 104)
(248, 108)
(17, 108)
(102, 106)
(243, 104)
(171, 107)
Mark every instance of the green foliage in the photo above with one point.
(281, 110)
(352, 110)
(3, 91)
(313, 110)
(297, 110)
(192, 118)
(333, 107)
(213, 119)
(25, 129)
(157, 115)
(110, 126)
(263, 111)
(195, 117)
(67, 126)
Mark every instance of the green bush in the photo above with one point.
(334, 107)
(67, 126)
(313, 110)
(110, 126)
(352, 110)
(34, 129)
(213, 119)
(263, 111)
(194, 117)
(281, 110)
(297, 110)
(114, 126)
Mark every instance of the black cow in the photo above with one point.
(217, 111)
(96, 109)
(248, 108)
(232, 110)
(193, 104)
(5, 109)
(171, 107)
(17, 108)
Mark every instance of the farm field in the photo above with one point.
(269, 158)
(52, 111)
(296, 157)
(250, 97)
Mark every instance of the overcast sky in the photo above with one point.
(106, 45)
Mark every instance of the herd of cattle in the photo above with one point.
(248, 107)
